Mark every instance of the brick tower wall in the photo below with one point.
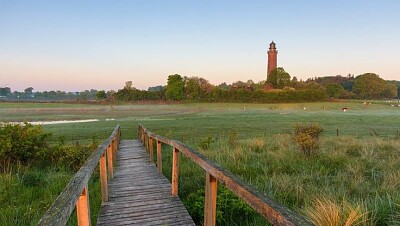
(272, 60)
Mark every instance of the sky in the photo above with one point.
(79, 45)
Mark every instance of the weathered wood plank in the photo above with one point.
(138, 195)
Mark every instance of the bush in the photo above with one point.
(22, 143)
(307, 137)
(71, 156)
(26, 144)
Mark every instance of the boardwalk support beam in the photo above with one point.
(103, 178)
(83, 208)
(175, 171)
(159, 157)
(210, 204)
(151, 149)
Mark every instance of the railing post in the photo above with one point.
(110, 161)
(210, 204)
(83, 208)
(114, 148)
(151, 149)
(103, 178)
(175, 171)
(145, 143)
(159, 157)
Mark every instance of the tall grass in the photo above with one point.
(350, 181)
(324, 212)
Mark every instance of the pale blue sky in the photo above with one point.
(77, 45)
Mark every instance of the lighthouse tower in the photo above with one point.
(272, 58)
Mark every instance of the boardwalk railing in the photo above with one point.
(267, 208)
(76, 192)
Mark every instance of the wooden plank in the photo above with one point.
(138, 195)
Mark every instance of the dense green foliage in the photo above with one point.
(334, 90)
(25, 144)
(279, 78)
(175, 87)
(101, 95)
(371, 86)
(197, 88)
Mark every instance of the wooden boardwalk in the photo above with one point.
(138, 195)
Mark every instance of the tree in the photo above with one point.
(390, 91)
(110, 94)
(334, 90)
(294, 81)
(278, 78)
(5, 91)
(28, 90)
(101, 95)
(197, 88)
(128, 85)
(175, 87)
(370, 86)
(224, 86)
(192, 88)
(397, 84)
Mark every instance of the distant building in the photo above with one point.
(272, 58)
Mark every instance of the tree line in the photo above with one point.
(29, 94)
(279, 87)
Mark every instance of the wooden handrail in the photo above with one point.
(272, 211)
(76, 192)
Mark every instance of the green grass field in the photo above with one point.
(357, 169)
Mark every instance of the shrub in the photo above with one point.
(24, 144)
(71, 156)
(307, 137)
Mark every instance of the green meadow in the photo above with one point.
(355, 172)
